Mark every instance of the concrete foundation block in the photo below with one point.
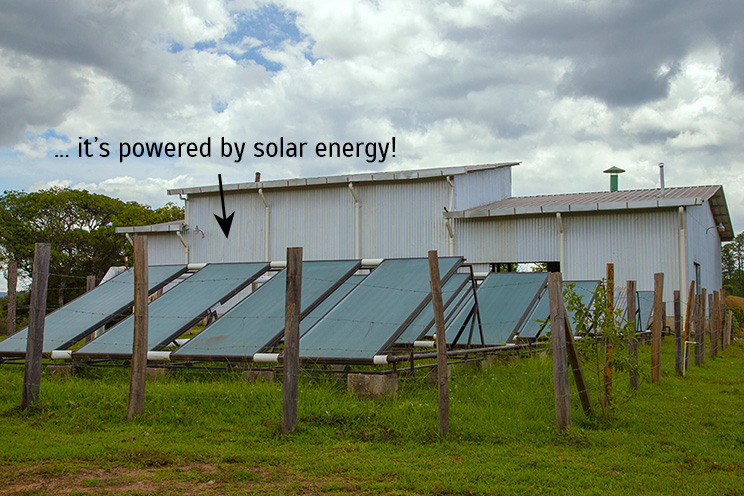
(372, 385)
(433, 376)
(259, 375)
(59, 370)
(155, 373)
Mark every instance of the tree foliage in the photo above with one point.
(732, 265)
(80, 226)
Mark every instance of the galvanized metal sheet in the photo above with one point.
(369, 320)
(178, 309)
(257, 323)
(504, 300)
(424, 322)
(92, 310)
(539, 318)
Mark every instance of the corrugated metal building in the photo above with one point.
(465, 211)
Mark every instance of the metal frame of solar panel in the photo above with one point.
(539, 318)
(90, 311)
(354, 332)
(499, 294)
(256, 324)
(424, 321)
(178, 309)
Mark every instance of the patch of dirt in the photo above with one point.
(183, 479)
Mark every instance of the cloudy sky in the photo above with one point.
(569, 88)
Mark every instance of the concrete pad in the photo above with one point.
(59, 370)
(372, 385)
(259, 375)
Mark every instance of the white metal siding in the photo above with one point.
(481, 187)
(164, 249)
(507, 239)
(703, 248)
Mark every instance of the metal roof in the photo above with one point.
(173, 226)
(609, 200)
(344, 179)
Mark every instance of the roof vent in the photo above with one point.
(661, 177)
(613, 172)
(258, 177)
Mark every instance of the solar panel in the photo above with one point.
(423, 323)
(90, 311)
(257, 323)
(178, 309)
(532, 326)
(504, 302)
(645, 309)
(372, 316)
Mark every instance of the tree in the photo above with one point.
(79, 225)
(732, 265)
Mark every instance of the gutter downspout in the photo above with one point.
(448, 222)
(357, 223)
(682, 258)
(129, 238)
(561, 243)
(185, 247)
(266, 224)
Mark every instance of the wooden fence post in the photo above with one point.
(442, 369)
(703, 324)
(689, 319)
(291, 359)
(607, 397)
(715, 317)
(729, 326)
(136, 403)
(657, 325)
(36, 317)
(677, 333)
(558, 342)
(632, 342)
(722, 320)
(12, 283)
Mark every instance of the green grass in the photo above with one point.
(208, 433)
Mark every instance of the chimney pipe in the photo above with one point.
(258, 177)
(661, 177)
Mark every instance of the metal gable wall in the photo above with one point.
(704, 248)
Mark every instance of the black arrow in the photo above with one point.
(226, 220)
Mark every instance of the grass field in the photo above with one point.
(215, 434)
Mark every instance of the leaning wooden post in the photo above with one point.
(575, 361)
(632, 342)
(136, 403)
(610, 327)
(657, 324)
(703, 325)
(689, 319)
(729, 326)
(677, 333)
(722, 320)
(714, 318)
(442, 369)
(698, 331)
(36, 317)
(558, 341)
(12, 283)
(291, 359)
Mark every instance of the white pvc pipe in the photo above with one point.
(61, 354)
(480, 275)
(266, 357)
(380, 359)
(278, 264)
(181, 341)
(368, 263)
(424, 344)
(682, 258)
(185, 247)
(357, 223)
(684, 356)
(266, 224)
(158, 356)
(562, 242)
(193, 267)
